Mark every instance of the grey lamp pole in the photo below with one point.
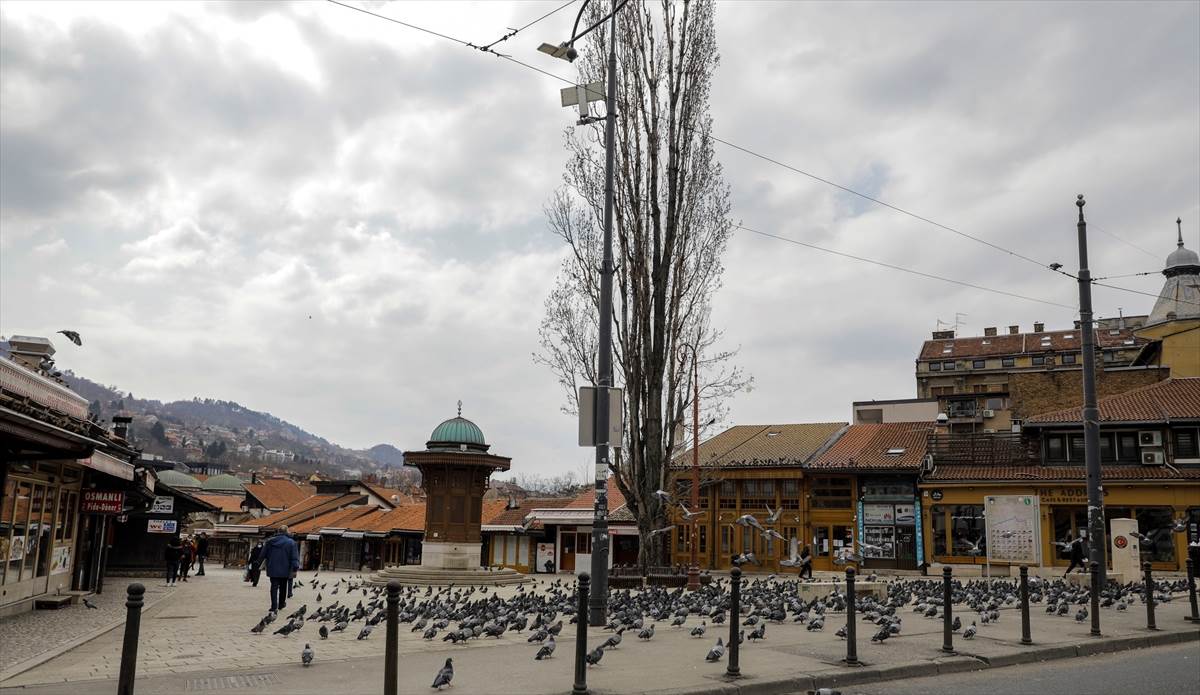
(1091, 414)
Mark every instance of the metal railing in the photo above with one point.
(983, 449)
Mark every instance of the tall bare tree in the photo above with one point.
(671, 228)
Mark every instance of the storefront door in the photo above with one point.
(1068, 522)
(566, 563)
(828, 540)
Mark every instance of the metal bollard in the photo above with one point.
(1148, 585)
(133, 624)
(851, 627)
(1191, 579)
(947, 612)
(1026, 638)
(733, 670)
(580, 686)
(1094, 569)
(391, 658)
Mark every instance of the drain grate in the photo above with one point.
(249, 680)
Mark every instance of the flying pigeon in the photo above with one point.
(445, 675)
(73, 337)
(748, 521)
(660, 531)
(688, 514)
(663, 496)
(773, 516)
(306, 656)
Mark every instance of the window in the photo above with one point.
(947, 366)
(1056, 447)
(831, 493)
(1186, 444)
(1127, 446)
(1106, 447)
(1008, 362)
(1039, 360)
(789, 491)
(702, 545)
(1076, 453)
(1155, 522)
(995, 404)
(935, 366)
(726, 539)
(1109, 357)
(728, 495)
(978, 364)
(680, 539)
(1068, 358)
(957, 529)
(936, 391)
(961, 408)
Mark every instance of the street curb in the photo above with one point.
(39, 659)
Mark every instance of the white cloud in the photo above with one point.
(50, 249)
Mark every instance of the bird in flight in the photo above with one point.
(73, 336)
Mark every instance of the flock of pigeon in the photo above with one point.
(538, 612)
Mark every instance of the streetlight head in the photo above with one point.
(563, 50)
(572, 54)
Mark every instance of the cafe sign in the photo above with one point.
(1064, 495)
(102, 502)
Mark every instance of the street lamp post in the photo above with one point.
(693, 575)
(1090, 413)
(598, 600)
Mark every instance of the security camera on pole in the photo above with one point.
(601, 427)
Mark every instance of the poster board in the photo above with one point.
(545, 553)
(884, 537)
(1013, 525)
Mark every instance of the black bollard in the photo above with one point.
(1094, 570)
(391, 658)
(1191, 574)
(580, 687)
(1026, 638)
(947, 612)
(129, 648)
(851, 627)
(733, 670)
(1148, 585)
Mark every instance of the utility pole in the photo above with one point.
(1091, 414)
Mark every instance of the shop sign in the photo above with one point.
(545, 554)
(163, 504)
(880, 514)
(935, 495)
(162, 525)
(1013, 527)
(1065, 495)
(880, 542)
(102, 502)
(905, 514)
(61, 561)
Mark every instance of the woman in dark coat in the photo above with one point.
(256, 563)
(171, 555)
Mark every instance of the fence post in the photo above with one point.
(391, 667)
(851, 627)
(1026, 638)
(947, 612)
(1148, 585)
(733, 670)
(1094, 572)
(133, 625)
(1191, 579)
(580, 686)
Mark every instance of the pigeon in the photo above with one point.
(647, 633)
(716, 652)
(758, 633)
(688, 514)
(89, 604)
(660, 531)
(262, 625)
(698, 631)
(1081, 615)
(306, 656)
(773, 515)
(969, 633)
(841, 632)
(547, 650)
(884, 633)
(445, 675)
(957, 624)
(287, 629)
(323, 632)
(748, 521)
(593, 657)
(613, 640)
(663, 496)
(73, 337)
(365, 632)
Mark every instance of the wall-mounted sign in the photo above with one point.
(163, 504)
(102, 502)
(61, 560)
(906, 514)
(879, 514)
(162, 525)
(936, 495)
(545, 557)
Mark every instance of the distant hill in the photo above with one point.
(386, 455)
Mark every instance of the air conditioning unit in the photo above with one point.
(989, 413)
(1150, 438)
(1153, 458)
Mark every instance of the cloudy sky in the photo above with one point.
(339, 220)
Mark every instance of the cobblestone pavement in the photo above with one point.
(29, 634)
(204, 628)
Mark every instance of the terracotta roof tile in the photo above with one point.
(1173, 399)
(406, 517)
(516, 517)
(278, 493)
(1021, 344)
(866, 447)
(225, 503)
(587, 498)
(745, 446)
(306, 509)
(335, 518)
(1054, 473)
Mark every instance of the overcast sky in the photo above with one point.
(339, 220)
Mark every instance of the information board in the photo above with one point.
(1014, 529)
(161, 526)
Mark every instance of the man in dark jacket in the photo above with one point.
(254, 567)
(282, 558)
(201, 552)
(171, 557)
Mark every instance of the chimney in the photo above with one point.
(989, 331)
(121, 426)
(1038, 327)
(1014, 330)
(29, 351)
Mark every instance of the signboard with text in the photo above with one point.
(1014, 530)
(102, 502)
(162, 525)
(163, 504)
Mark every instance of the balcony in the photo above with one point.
(987, 449)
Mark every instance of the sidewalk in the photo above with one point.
(791, 659)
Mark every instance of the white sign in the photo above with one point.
(545, 554)
(161, 525)
(61, 560)
(1014, 529)
(163, 504)
(878, 514)
(905, 515)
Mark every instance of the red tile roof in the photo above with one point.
(587, 498)
(1173, 399)
(225, 503)
(1056, 473)
(746, 446)
(307, 509)
(1022, 343)
(865, 447)
(516, 517)
(337, 518)
(278, 493)
(407, 517)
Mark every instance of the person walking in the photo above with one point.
(805, 563)
(282, 558)
(255, 564)
(171, 556)
(185, 559)
(1076, 555)
(201, 552)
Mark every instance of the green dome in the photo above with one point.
(458, 430)
(176, 479)
(223, 483)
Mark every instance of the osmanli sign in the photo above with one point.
(102, 502)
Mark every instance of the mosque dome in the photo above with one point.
(1180, 295)
(177, 479)
(223, 483)
(457, 433)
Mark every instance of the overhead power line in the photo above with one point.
(1124, 241)
(513, 32)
